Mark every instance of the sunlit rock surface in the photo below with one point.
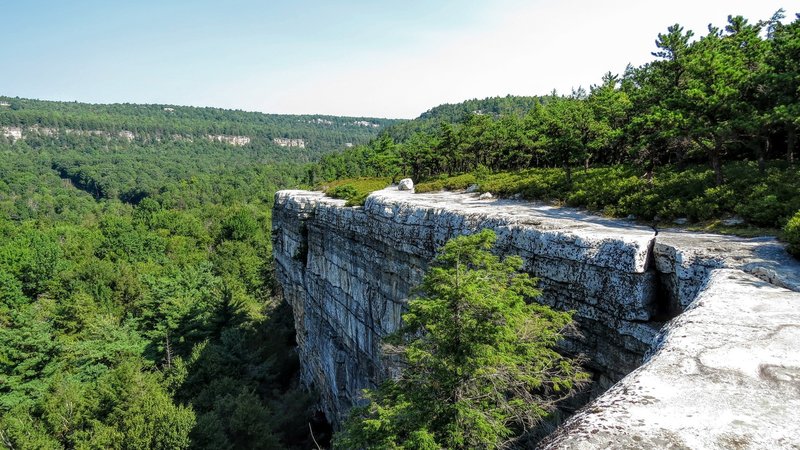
(347, 272)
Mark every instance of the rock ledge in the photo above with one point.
(725, 372)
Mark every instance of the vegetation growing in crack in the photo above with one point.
(792, 234)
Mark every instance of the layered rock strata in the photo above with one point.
(347, 272)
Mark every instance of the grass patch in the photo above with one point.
(354, 190)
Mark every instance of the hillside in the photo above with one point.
(136, 291)
(139, 306)
(154, 123)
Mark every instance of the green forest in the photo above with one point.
(157, 123)
(137, 303)
(138, 307)
(706, 133)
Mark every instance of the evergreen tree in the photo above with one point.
(783, 80)
(479, 361)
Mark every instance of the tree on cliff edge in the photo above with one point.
(479, 361)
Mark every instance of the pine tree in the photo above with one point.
(479, 361)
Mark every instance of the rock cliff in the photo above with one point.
(347, 273)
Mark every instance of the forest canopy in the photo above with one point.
(137, 303)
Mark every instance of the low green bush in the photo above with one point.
(344, 192)
(710, 204)
(791, 232)
(355, 190)
(761, 207)
(352, 194)
(455, 183)
(599, 188)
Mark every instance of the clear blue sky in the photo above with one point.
(371, 58)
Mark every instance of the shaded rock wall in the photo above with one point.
(347, 272)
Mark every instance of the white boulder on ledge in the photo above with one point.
(406, 184)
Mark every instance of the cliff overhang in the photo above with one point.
(680, 324)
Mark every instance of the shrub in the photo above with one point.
(764, 199)
(348, 192)
(455, 183)
(344, 192)
(762, 207)
(355, 191)
(601, 189)
(791, 232)
(712, 203)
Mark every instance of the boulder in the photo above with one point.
(406, 184)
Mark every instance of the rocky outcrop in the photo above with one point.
(17, 133)
(237, 141)
(12, 133)
(127, 135)
(347, 272)
(286, 142)
(365, 123)
(406, 184)
(725, 374)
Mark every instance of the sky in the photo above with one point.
(392, 59)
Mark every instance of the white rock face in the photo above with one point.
(127, 135)
(735, 220)
(237, 141)
(44, 131)
(286, 142)
(12, 133)
(348, 272)
(406, 184)
(485, 196)
(364, 123)
(685, 260)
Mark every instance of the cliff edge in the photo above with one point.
(696, 333)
